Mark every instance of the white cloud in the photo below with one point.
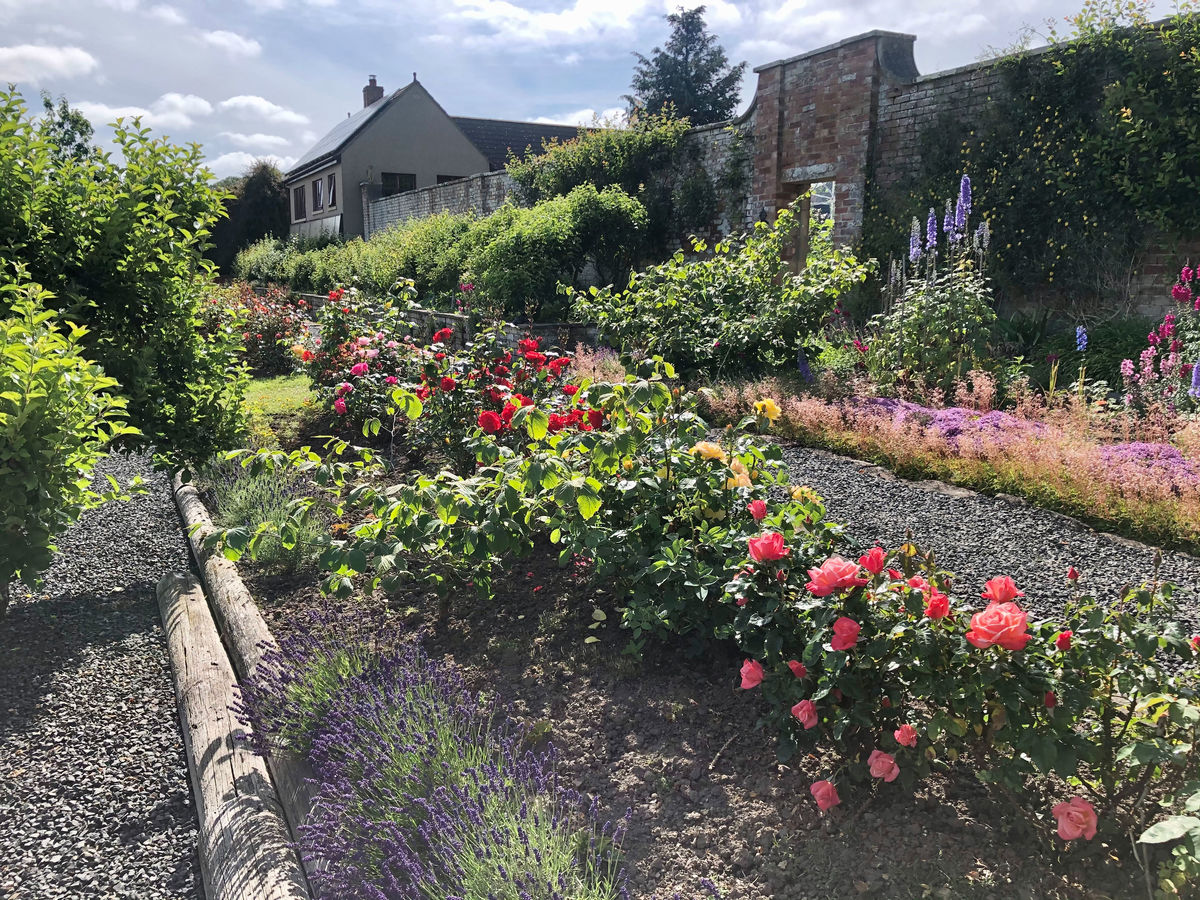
(251, 106)
(171, 110)
(256, 140)
(585, 117)
(584, 22)
(34, 62)
(232, 43)
(268, 5)
(239, 161)
(717, 13)
(122, 5)
(169, 14)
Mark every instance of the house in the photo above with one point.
(395, 143)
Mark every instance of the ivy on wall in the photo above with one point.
(1092, 153)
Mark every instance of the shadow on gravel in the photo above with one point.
(42, 636)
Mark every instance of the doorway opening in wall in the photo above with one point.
(821, 203)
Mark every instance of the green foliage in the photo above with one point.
(1094, 151)
(241, 497)
(258, 209)
(67, 130)
(120, 245)
(58, 413)
(738, 307)
(692, 74)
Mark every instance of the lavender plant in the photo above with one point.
(426, 791)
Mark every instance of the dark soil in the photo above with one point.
(675, 740)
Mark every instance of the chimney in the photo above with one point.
(372, 93)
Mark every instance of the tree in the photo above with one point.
(692, 73)
(67, 130)
(258, 208)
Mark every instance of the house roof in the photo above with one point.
(340, 134)
(495, 137)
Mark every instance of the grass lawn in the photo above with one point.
(284, 403)
(280, 394)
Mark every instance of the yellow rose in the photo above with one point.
(738, 467)
(806, 493)
(768, 408)
(709, 450)
(627, 465)
(738, 481)
(662, 472)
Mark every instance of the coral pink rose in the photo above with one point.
(1076, 819)
(806, 712)
(1063, 640)
(798, 668)
(905, 735)
(874, 560)
(825, 794)
(359, 369)
(883, 765)
(1001, 589)
(938, 606)
(835, 574)
(1005, 624)
(752, 674)
(758, 509)
(845, 634)
(768, 547)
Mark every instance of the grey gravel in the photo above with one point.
(94, 793)
(977, 536)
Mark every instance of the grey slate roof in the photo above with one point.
(341, 133)
(495, 137)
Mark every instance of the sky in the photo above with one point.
(248, 79)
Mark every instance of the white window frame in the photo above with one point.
(318, 194)
(331, 190)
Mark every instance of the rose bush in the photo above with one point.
(270, 324)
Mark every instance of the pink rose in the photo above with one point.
(768, 547)
(938, 606)
(883, 765)
(1001, 589)
(874, 560)
(905, 735)
(845, 633)
(798, 668)
(806, 712)
(391, 379)
(835, 574)
(758, 509)
(752, 674)
(825, 794)
(1005, 624)
(340, 406)
(1076, 819)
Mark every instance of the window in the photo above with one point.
(332, 191)
(318, 189)
(398, 182)
(298, 212)
(442, 179)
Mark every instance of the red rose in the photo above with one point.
(1003, 624)
(490, 422)
(768, 547)
(798, 668)
(938, 606)
(1051, 700)
(845, 633)
(570, 389)
(874, 560)
(1063, 640)
(447, 384)
(595, 418)
(758, 509)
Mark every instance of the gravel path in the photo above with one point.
(94, 795)
(976, 536)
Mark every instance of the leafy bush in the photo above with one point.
(245, 498)
(120, 245)
(938, 317)
(739, 307)
(58, 412)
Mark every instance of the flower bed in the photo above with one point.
(1147, 490)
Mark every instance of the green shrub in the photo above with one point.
(738, 307)
(57, 414)
(119, 241)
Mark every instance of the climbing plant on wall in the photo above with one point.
(1092, 153)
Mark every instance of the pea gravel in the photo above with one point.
(94, 794)
(977, 536)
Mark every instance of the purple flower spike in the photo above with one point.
(931, 231)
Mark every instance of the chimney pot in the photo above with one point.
(372, 93)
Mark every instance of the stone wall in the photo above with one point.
(481, 194)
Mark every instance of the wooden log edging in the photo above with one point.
(246, 637)
(246, 850)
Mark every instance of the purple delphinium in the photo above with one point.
(931, 232)
(914, 241)
(1194, 390)
(803, 367)
(1081, 338)
(962, 210)
(948, 221)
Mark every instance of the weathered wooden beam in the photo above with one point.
(246, 638)
(246, 851)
